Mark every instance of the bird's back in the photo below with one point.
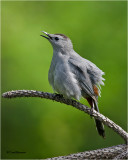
(94, 72)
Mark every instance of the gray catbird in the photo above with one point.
(73, 76)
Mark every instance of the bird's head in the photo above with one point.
(59, 41)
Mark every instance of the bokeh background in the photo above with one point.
(42, 128)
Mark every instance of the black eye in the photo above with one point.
(56, 38)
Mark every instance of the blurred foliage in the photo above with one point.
(43, 128)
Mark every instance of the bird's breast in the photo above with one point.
(63, 80)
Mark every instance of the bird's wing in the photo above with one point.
(82, 76)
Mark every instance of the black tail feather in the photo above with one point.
(100, 128)
(99, 124)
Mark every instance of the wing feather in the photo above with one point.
(82, 77)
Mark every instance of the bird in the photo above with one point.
(74, 76)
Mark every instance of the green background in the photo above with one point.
(43, 128)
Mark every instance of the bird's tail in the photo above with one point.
(99, 124)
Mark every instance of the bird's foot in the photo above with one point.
(58, 95)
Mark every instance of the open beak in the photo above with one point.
(48, 36)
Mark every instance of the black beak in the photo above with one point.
(48, 36)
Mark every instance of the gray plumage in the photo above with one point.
(70, 74)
